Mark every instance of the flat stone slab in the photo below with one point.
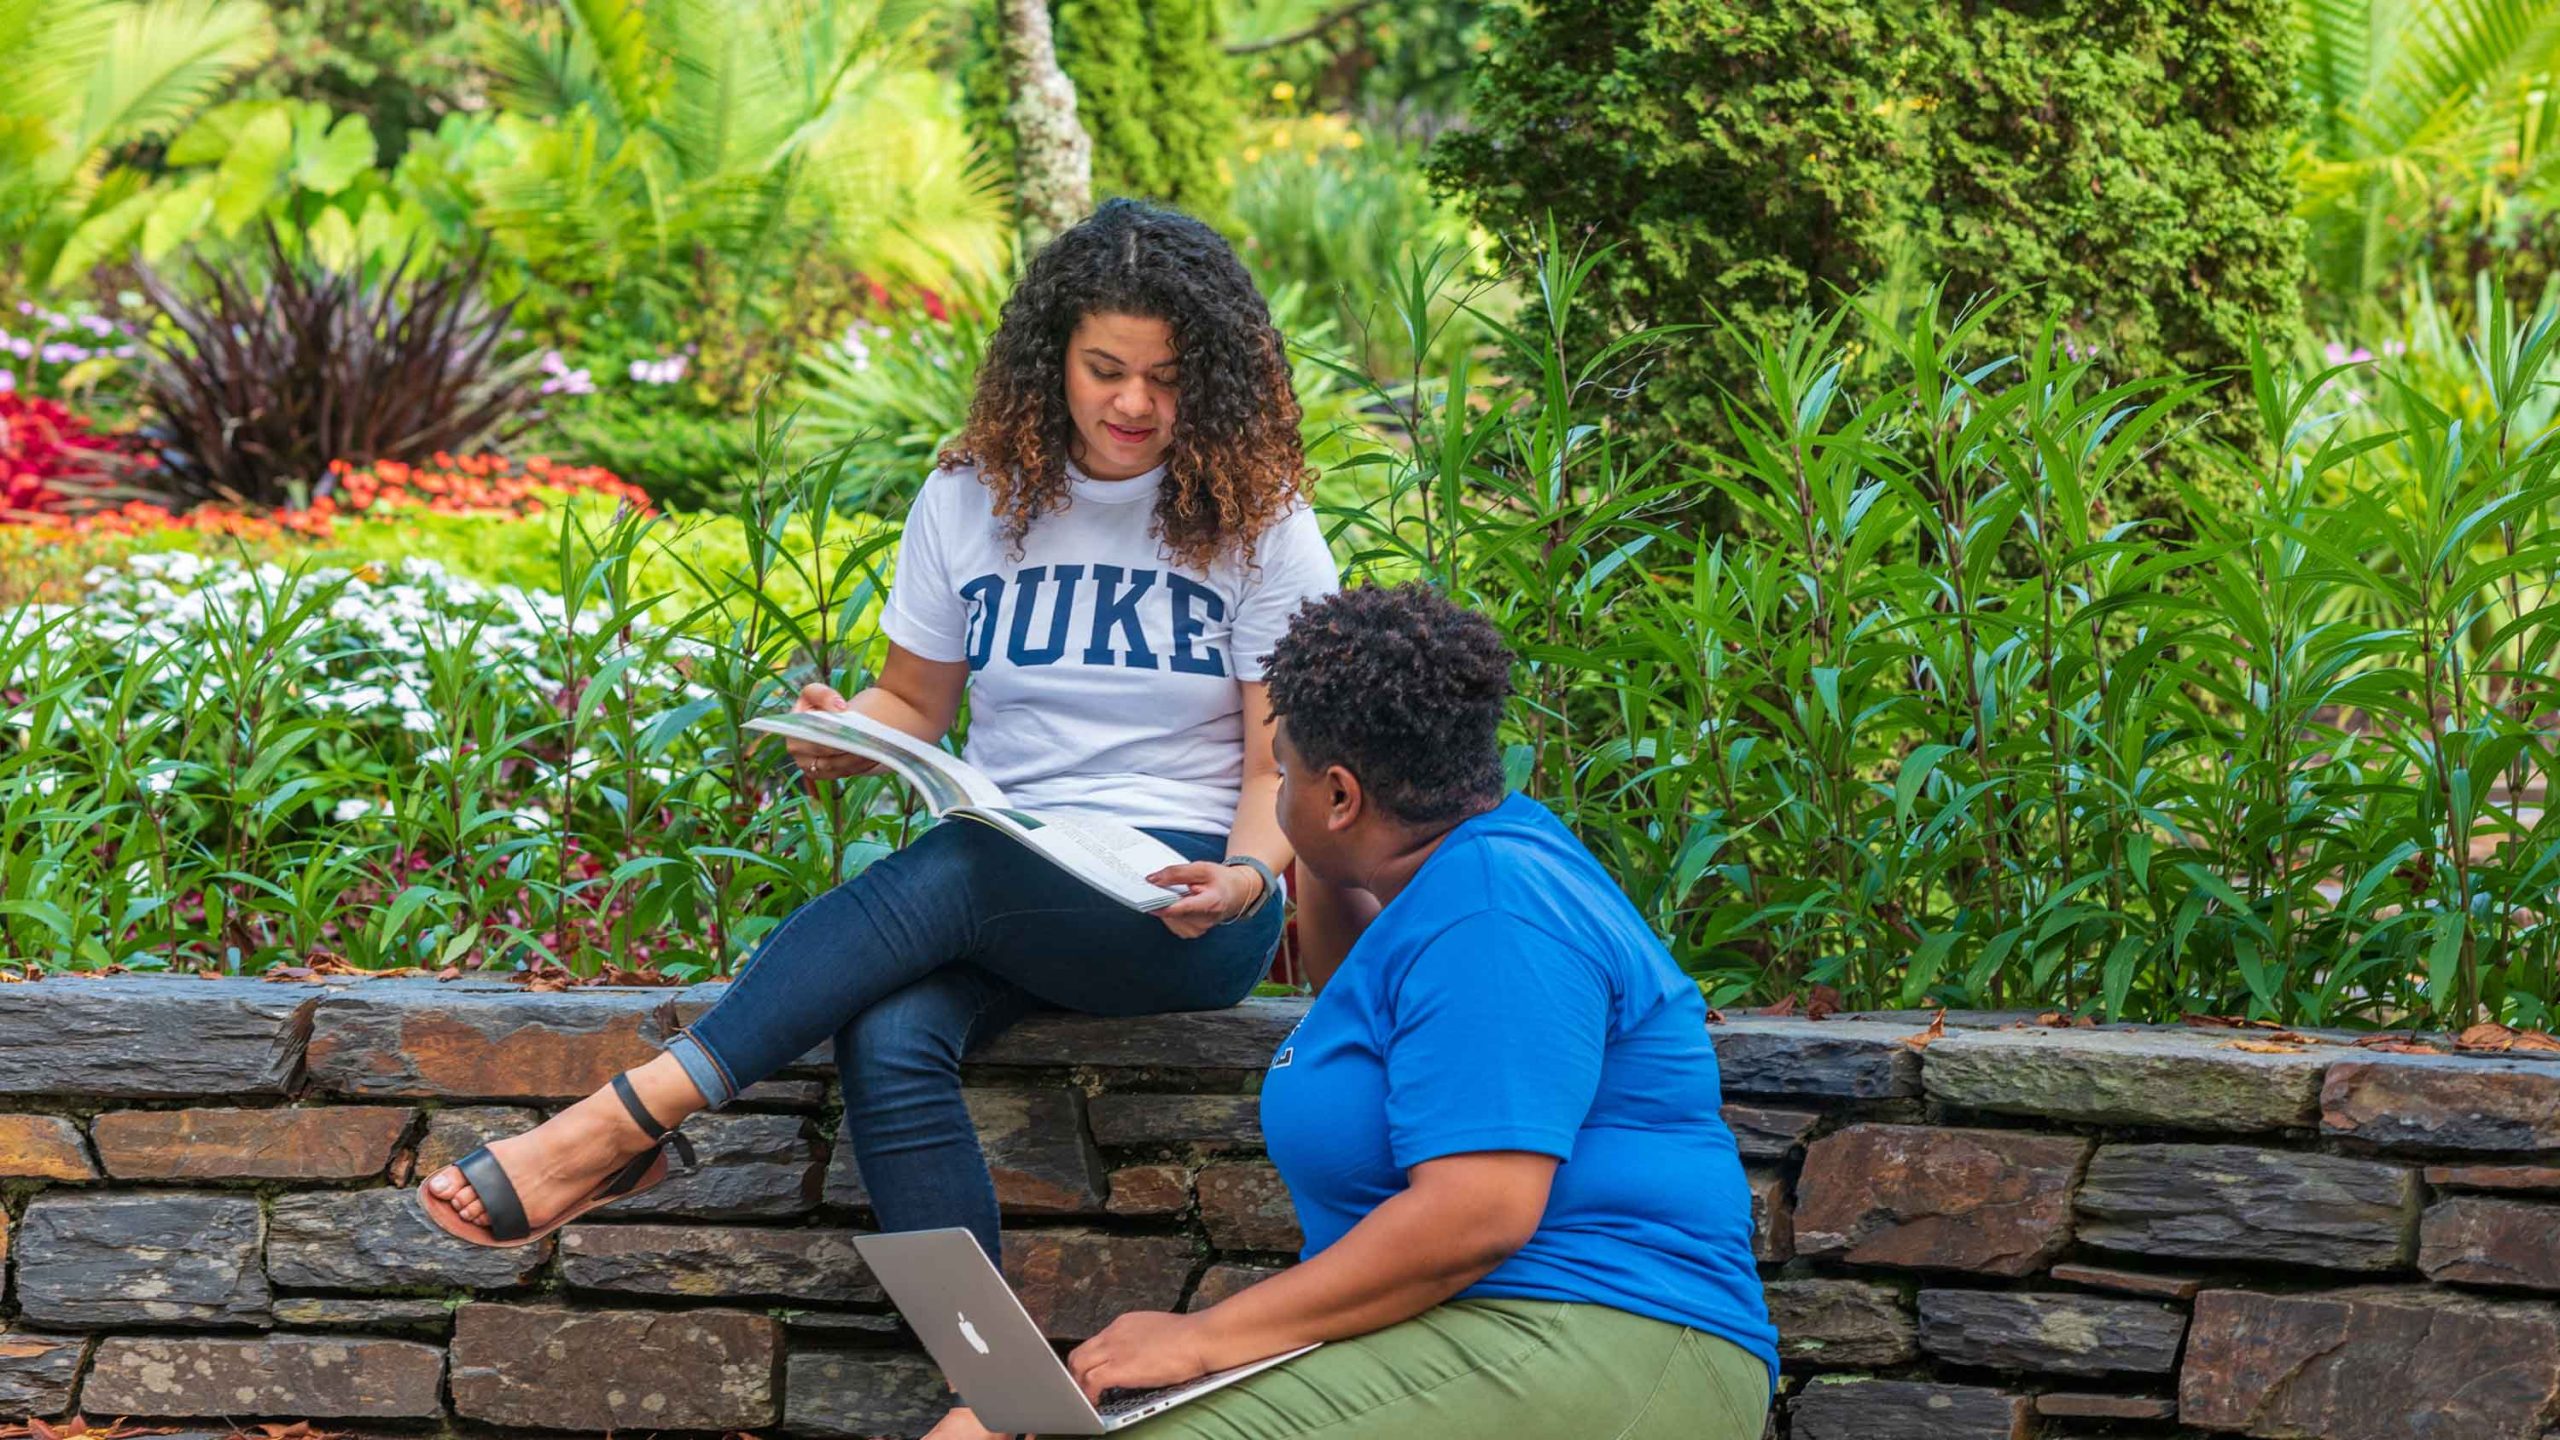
(2053, 1334)
(152, 1037)
(37, 1371)
(339, 1312)
(548, 1367)
(92, 1262)
(1159, 1190)
(2061, 1405)
(1245, 1207)
(43, 1147)
(410, 1039)
(2444, 1102)
(1225, 1280)
(1905, 1410)
(753, 1167)
(1997, 1202)
(456, 1130)
(337, 1142)
(1243, 1037)
(382, 1240)
(2485, 1240)
(1842, 1324)
(2237, 1202)
(856, 1396)
(1207, 1122)
(1074, 1282)
(2189, 1079)
(2370, 1363)
(1825, 1059)
(303, 1376)
(1763, 1133)
(1035, 1150)
(2531, 1179)
(727, 1262)
(2129, 1282)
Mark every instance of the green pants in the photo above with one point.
(1519, 1369)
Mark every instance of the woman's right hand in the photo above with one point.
(825, 762)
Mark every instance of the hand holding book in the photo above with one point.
(825, 762)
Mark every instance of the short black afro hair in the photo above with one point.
(1402, 688)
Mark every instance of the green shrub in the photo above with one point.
(2126, 156)
(1157, 94)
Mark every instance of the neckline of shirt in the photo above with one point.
(1113, 492)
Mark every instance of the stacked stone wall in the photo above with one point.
(2010, 1233)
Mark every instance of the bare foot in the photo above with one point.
(561, 1161)
(961, 1425)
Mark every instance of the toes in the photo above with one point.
(441, 1183)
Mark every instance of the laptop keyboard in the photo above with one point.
(1116, 1403)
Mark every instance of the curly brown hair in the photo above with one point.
(1234, 464)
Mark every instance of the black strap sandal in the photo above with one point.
(508, 1226)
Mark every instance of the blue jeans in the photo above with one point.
(931, 950)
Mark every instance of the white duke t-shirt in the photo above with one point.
(1102, 676)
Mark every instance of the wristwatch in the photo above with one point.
(1270, 886)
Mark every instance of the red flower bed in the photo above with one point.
(470, 485)
(42, 442)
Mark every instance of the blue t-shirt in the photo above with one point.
(1512, 999)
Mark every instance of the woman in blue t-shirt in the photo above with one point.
(1500, 1120)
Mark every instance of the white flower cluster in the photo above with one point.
(369, 659)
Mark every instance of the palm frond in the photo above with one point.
(164, 60)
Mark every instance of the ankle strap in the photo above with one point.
(640, 1115)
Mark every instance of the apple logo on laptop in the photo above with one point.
(969, 1333)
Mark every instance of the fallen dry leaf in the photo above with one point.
(2227, 1022)
(2499, 1039)
(1937, 1031)
(1714, 1016)
(1781, 1010)
(1825, 1001)
(2265, 1047)
(2398, 1047)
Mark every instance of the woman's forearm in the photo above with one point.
(1409, 1254)
(890, 708)
(1256, 831)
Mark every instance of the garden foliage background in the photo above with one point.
(2054, 513)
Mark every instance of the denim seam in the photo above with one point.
(728, 1078)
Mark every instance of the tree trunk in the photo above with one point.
(1053, 157)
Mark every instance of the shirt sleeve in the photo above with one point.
(924, 614)
(1495, 1043)
(1291, 567)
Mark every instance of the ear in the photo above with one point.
(1345, 802)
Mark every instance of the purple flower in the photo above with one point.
(63, 353)
(2395, 347)
(8, 381)
(660, 372)
(98, 325)
(2338, 354)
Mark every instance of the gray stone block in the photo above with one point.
(548, 1367)
(850, 1395)
(152, 1037)
(1841, 1324)
(399, 1039)
(728, 1262)
(1209, 1122)
(1243, 1037)
(338, 1312)
(1905, 1410)
(2056, 1334)
(2192, 1080)
(2444, 1102)
(2235, 1202)
(38, 1371)
(301, 1376)
(1824, 1059)
(1035, 1150)
(90, 1262)
(754, 1167)
(383, 1240)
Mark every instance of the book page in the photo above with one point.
(944, 781)
(1114, 859)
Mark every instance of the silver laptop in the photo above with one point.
(991, 1352)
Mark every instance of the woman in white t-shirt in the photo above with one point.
(1100, 565)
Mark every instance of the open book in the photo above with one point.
(1114, 859)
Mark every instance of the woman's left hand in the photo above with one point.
(1139, 1351)
(1219, 893)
